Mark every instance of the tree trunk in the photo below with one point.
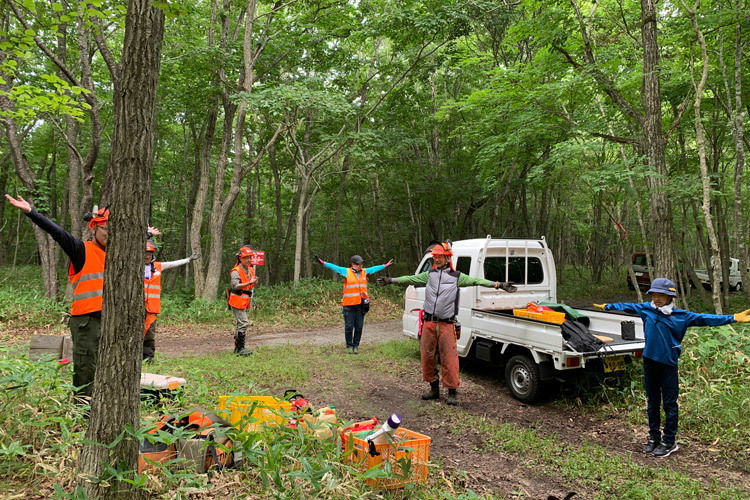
(738, 133)
(115, 403)
(654, 148)
(715, 270)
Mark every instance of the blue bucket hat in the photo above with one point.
(663, 285)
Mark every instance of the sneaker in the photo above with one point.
(356, 350)
(664, 450)
(242, 352)
(651, 445)
(148, 360)
(350, 350)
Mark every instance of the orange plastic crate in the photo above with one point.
(406, 444)
(548, 316)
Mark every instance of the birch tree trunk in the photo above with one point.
(700, 140)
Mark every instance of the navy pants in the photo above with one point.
(354, 319)
(662, 387)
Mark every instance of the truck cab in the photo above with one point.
(735, 277)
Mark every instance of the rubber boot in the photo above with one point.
(434, 392)
(239, 345)
(452, 397)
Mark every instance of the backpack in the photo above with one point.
(579, 338)
(206, 445)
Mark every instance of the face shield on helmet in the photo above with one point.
(98, 218)
(442, 249)
(151, 248)
(245, 251)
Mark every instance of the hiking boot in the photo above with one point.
(651, 445)
(452, 397)
(242, 352)
(350, 350)
(356, 350)
(434, 392)
(664, 450)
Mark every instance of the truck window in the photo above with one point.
(494, 270)
(463, 264)
(426, 266)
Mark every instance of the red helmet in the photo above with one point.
(442, 249)
(100, 218)
(150, 247)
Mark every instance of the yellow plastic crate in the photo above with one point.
(406, 444)
(548, 316)
(249, 413)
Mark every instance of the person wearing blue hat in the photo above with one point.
(664, 328)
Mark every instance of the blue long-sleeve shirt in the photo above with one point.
(342, 270)
(664, 333)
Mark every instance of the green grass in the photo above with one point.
(41, 432)
(603, 473)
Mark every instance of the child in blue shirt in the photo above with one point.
(356, 301)
(664, 328)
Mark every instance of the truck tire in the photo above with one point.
(523, 379)
(738, 286)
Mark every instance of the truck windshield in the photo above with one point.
(494, 270)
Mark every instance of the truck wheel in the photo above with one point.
(738, 287)
(522, 378)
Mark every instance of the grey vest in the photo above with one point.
(441, 294)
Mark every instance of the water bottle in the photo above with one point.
(386, 431)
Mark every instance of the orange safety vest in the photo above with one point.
(88, 283)
(355, 288)
(241, 301)
(153, 290)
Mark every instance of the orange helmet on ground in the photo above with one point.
(442, 249)
(99, 218)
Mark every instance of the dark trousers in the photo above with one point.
(354, 320)
(149, 341)
(662, 387)
(84, 331)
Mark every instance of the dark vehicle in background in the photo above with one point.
(640, 267)
(642, 277)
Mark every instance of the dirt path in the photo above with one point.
(181, 340)
(481, 394)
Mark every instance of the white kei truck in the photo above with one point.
(533, 351)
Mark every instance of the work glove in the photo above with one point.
(743, 317)
(602, 306)
(384, 280)
(389, 263)
(505, 286)
(195, 256)
(320, 261)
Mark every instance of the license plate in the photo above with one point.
(614, 364)
(639, 274)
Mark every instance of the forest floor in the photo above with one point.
(481, 394)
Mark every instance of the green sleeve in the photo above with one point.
(415, 279)
(465, 280)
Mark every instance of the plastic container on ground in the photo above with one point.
(250, 413)
(406, 445)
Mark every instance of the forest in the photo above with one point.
(373, 127)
